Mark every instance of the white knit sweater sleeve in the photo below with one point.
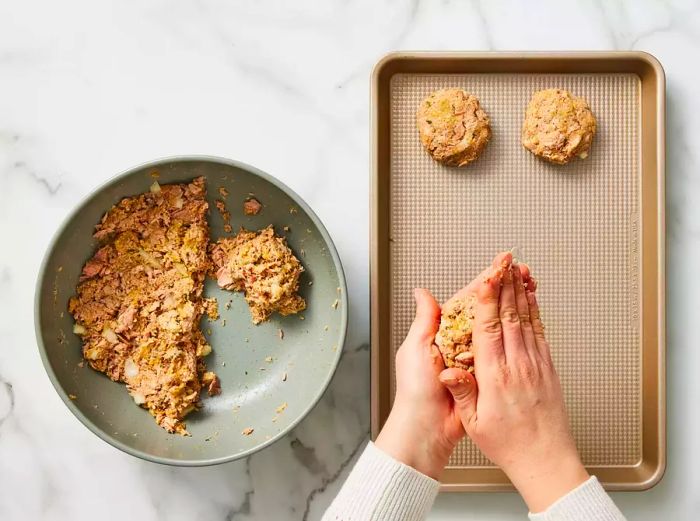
(379, 488)
(587, 502)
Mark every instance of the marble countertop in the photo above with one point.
(91, 88)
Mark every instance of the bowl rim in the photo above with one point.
(115, 179)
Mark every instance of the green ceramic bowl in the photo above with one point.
(303, 362)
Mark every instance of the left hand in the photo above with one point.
(423, 427)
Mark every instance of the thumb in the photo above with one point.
(462, 387)
(427, 319)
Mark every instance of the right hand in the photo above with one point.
(515, 412)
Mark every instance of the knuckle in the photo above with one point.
(510, 316)
(546, 364)
(491, 326)
(528, 373)
(525, 319)
(537, 327)
(503, 375)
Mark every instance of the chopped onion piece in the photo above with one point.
(110, 335)
(138, 398)
(130, 368)
(79, 329)
(155, 187)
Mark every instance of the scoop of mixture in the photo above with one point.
(139, 300)
(454, 338)
(264, 267)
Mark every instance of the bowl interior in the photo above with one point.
(255, 387)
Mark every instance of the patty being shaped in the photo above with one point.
(454, 338)
(139, 300)
(558, 126)
(264, 267)
(453, 127)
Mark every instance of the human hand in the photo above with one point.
(516, 416)
(423, 427)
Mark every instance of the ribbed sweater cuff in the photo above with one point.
(587, 502)
(379, 488)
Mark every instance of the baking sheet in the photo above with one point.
(582, 227)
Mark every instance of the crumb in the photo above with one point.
(212, 383)
(293, 210)
(280, 333)
(223, 364)
(211, 308)
(335, 304)
(301, 317)
(247, 431)
(303, 252)
(81, 364)
(223, 192)
(286, 228)
(281, 408)
(228, 304)
(311, 283)
(59, 269)
(225, 214)
(72, 396)
(223, 323)
(284, 377)
(269, 359)
(325, 328)
(252, 206)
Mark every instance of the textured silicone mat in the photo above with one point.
(576, 225)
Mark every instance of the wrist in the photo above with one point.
(543, 482)
(406, 442)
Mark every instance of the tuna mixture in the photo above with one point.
(454, 338)
(140, 299)
(264, 267)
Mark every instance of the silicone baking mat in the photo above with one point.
(579, 227)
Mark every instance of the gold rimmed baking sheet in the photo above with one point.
(592, 231)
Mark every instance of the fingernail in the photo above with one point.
(508, 275)
(451, 380)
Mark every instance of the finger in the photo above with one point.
(487, 332)
(427, 319)
(462, 387)
(501, 260)
(524, 315)
(528, 279)
(513, 343)
(537, 327)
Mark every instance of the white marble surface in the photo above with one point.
(90, 88)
